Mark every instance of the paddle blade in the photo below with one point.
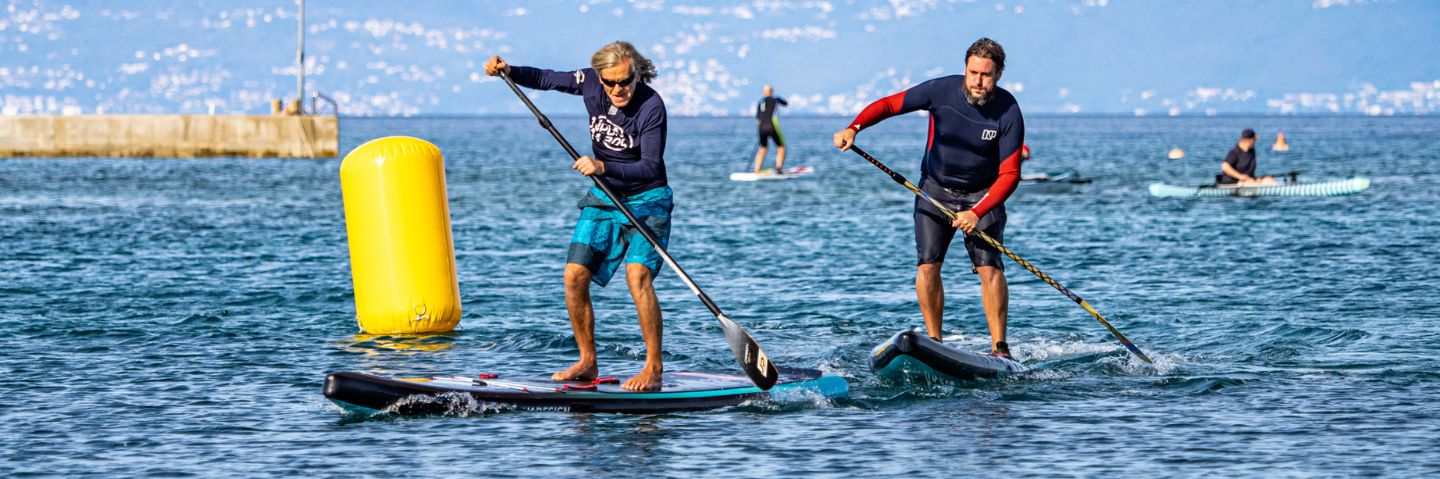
(754, 361)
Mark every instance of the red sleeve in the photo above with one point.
(1002, 188)
(880, 110)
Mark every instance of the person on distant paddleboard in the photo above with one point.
(627, 129)
(1239, 166)
(971, 164)
(770, 130)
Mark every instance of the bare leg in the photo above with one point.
(760, 158)
(647, 307)
(931, 292)
(995, 296)
(582, 322)
(780, 158)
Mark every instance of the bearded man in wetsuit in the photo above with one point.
(971, 164)
(627, 128)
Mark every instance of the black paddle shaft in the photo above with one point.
(752, 359)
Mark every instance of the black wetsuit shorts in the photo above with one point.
(933, 232)
(768, 132)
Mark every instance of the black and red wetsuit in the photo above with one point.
(972, 160)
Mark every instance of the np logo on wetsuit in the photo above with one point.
(988, 134)
(604, 132)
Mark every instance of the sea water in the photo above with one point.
(176, 317)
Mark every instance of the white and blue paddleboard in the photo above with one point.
(1320, 188)
(769, 174)
(910, 355)
(368, 394)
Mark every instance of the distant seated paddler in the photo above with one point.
(1239, 165)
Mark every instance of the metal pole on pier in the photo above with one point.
(300, 64)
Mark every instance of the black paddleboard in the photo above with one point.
(368, 394)
(909, 354)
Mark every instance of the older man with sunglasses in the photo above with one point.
(627, 129)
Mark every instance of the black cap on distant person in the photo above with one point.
(1247, 134)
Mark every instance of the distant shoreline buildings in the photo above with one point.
(374, 61)
(1420, 99)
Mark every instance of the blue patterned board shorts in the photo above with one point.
(604, 239)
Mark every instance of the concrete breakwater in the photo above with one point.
(169, 136)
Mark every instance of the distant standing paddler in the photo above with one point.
(972, 164)
(627, 129)
(769, 126)
(1239, 165)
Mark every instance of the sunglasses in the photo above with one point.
(612, 84)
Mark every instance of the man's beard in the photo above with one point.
(980, 101)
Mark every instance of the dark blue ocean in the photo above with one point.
(176, 317)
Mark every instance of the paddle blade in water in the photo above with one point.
(754, 361)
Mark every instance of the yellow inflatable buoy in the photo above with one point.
(1280, 144)
(1176, 154)
(402, 257)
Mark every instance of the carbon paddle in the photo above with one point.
(754, 361)
(996, 244)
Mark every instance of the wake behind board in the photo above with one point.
(909, 354)
(769, 174)
(369, 394)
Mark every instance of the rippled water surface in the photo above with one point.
(170, 317)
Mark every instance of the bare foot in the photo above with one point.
(648, 380)
(582, 370)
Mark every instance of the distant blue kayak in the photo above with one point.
(1320, 188)
(369, 394)
(911, 355)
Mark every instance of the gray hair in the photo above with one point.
(619, 51)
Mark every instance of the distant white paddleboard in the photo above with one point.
(767, 175)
